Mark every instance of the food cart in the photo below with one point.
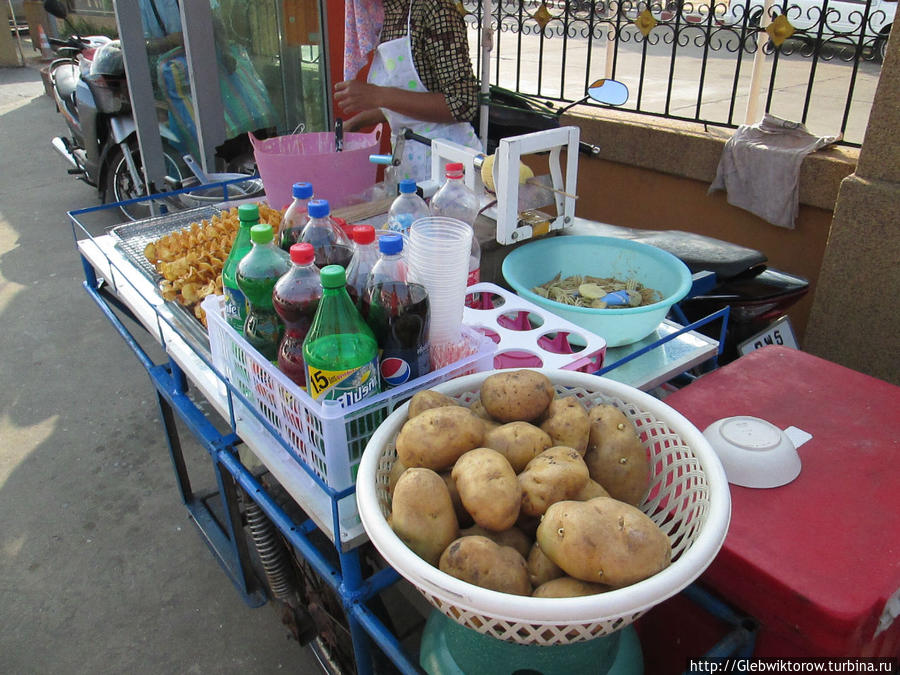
(265, 482)
(255, 463)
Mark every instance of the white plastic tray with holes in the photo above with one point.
(529, 336)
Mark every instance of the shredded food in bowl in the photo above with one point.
(597, 292)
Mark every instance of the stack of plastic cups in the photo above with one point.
(438, 257)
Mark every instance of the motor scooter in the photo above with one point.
(758, 296)
(91, 92)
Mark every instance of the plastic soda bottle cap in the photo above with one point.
(363, 234)
(248, 212)
(390, 244)
(261, 234)
(408, 185)
(302, 190)
(302, 254)
(333, 276)
(318, 208)
(454, 170)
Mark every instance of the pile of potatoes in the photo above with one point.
(523, 492)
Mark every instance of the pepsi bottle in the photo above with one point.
(398, 311)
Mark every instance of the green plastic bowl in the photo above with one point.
(537, 262)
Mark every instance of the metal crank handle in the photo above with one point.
(386, 160)
(588, 149)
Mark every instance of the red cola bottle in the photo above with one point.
(328, 239)
(364, 258)
(398, 311)
(296, 298)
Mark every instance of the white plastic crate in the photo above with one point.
(328, 438)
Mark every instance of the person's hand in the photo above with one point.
(366, 118)
(355, 97)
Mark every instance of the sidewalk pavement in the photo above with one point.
(101, 569)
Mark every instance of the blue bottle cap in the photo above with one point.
(407, 185)
(318, 208)
(302, 190)
(390, 244)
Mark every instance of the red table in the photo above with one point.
(814, 561)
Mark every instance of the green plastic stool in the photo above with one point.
(448, 648)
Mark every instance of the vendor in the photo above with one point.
(421, 76)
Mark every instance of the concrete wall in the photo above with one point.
(9, 52)
(854, 319)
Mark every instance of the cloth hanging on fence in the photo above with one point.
(245, 101)
(760, 168)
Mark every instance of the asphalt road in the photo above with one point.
(101, 569)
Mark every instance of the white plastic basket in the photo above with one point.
(328, 438)
(688, 498)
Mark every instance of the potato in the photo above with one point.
(513, 537)
(568, 587)
(462, 516)
(437, 437)
(488, 488)
(590, 490)
(519, 442)
(567, 423)
(426, 400)
(422, 514)
(540, 568)
(616, 458)
(397, 469)
(477, 408)
(556, 474)
(603, 541)
(517, 395)
(482, 562)
(528, 524)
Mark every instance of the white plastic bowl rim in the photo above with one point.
(607, 606)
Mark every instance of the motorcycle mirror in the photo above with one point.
(57, 8)
(610, 92)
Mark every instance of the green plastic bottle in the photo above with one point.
(340, 350)
(257, 274)
(235, 304)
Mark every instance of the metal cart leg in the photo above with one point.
(226, 541)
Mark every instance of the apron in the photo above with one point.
(393, 66)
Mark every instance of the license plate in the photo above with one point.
(777, 333)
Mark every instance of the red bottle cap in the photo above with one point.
(453, 170)
(302, 254)
(341, 223)
(362, 234)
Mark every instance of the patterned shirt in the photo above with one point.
(440, 50)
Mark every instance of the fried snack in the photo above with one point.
(191, 260)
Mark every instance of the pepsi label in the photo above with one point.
(399, 367)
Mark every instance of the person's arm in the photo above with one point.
(354, 97)
(366, 118)
(443, 51)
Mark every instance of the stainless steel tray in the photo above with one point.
(132, 238)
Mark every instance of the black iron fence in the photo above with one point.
(720, 64)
